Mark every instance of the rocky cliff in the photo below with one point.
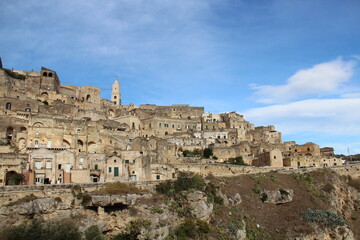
(315, 205)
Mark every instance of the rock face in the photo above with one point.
(338, 233)
(199, 206)
(279, 196)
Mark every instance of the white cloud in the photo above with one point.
(351, 95)
(320, 80)
(318, 116)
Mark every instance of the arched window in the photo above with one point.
(88, 98)
(45, 74)
(8, 106)
(50, 74)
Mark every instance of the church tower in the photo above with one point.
(115, 93)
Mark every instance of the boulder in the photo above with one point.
(199, 206)
(44, 205)
(279, 196)
(100, 200)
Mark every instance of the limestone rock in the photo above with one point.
(279, 196)
(44, 205)
(241, 233)
(199, 206)
(100, 200)
(235, 199)
(5, 211)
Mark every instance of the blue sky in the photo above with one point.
(292, 64)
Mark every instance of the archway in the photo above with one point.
(9, 133)
(13, 178)
(66, 143)
(88, 98)
(92, 147)
(38, 124)
(94, 178)
(80, 145)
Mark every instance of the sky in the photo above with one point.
(289, 63)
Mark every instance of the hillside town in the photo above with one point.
(55, 134)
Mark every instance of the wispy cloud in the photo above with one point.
(322, 116)
(320, 80)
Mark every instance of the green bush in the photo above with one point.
(324, 218)
(93, 233)
(43, 231)
(190, 229)
(185, 181)
(133, 229)
(257, 189)
(236, 161)
(208, 152)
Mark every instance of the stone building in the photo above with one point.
(52, 133)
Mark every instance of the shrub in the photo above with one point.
(156, 209)
(25, 199)
(324, 218)
(237, 161)
(41, 231)
(185, 181)
(257, 189)
(208, 152)
(117, 188)
(132, 230)
(355, 183)
(93, 233)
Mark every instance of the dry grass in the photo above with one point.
(118, 188)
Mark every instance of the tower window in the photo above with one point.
(8, 106)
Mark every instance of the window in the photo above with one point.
(36, 143)
(48, 165)
(27, 110)
(274, 157)
(38, 180)
(109, 169)
(49, 144)
(96, 167)
(126, 161)
(80, 166)
(157, 177)
(38, 165)
(8, 106)
(78, 131)
(173, 125)
(133, 125)
(116, 171)
(134, 161)
(159, 124)
(59, 166)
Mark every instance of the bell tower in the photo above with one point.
(115, 93)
